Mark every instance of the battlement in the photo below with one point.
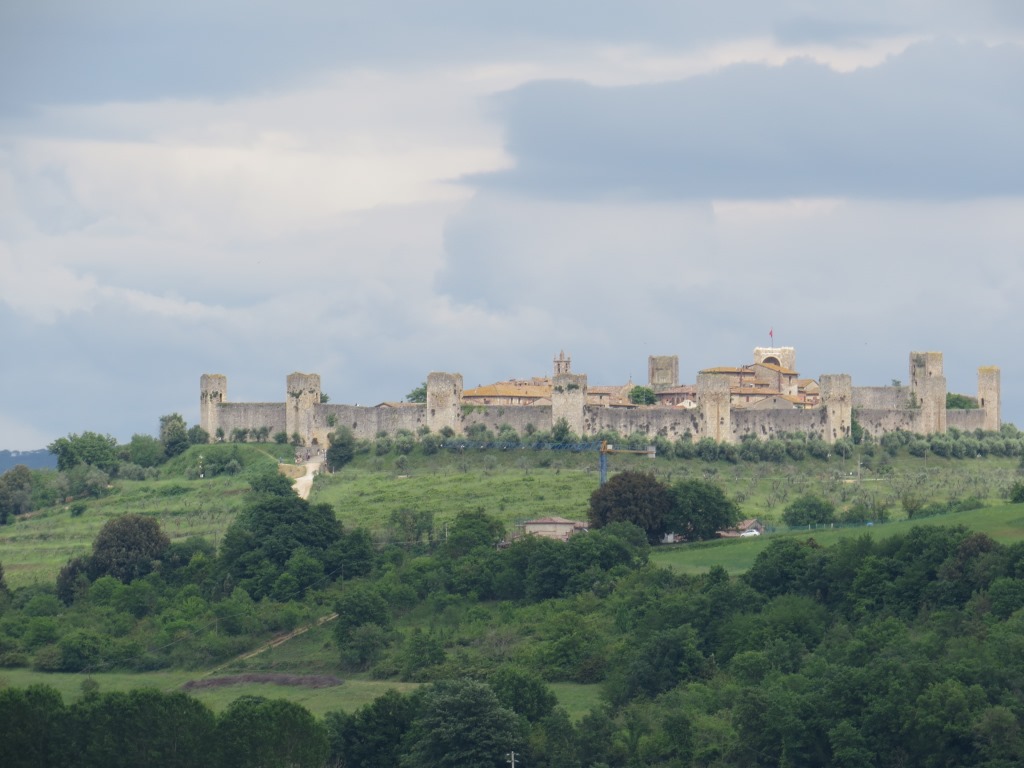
(763, 399)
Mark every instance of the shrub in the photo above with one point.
(809, 510)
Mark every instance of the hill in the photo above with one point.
(38, 459)
(807, 647)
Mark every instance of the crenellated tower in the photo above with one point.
(662, 372)
(928, 391)
(444, 401)
(837, 401)
(568, 400)
(213, 390)
(714, 401)
(990, 396)
(303, 391)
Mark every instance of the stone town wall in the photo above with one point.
(919, 408)
(667, 422)
(881, 398)
(967, 420)
(365, 421)
(231, 416)
(522, 418)
(876, 422)
(773, 423)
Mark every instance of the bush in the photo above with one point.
(1017, 493)
(809, 510)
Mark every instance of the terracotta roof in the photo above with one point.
(549, 520)
(508, 389)
(778, 369)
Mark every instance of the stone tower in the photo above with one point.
(303, 397)
(563, 364)
(837, 401)
(928, 389)
(784, 357)
(568, 399)
(662, 372)
(989, 396)
(444, 401)
(714, 402)
(213, 390)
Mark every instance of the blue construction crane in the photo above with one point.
(605, 449)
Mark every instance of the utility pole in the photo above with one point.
(511, 759)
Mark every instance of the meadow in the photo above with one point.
(511, 485)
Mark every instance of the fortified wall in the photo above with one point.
(919, 407)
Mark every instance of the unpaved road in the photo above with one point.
(305, 483)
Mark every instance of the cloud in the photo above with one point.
(854, 285)
(60, 51)
(941, 120)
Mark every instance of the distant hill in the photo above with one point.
(39, 459)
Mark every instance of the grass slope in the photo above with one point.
(512, 485)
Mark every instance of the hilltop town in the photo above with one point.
(763, 399)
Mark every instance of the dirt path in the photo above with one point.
(281, 640)
(305, 483)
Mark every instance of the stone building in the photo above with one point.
(765, 399)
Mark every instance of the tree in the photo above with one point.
(15, 492)
(146, 451)
(270, 481)
(372, 735)
(199, 436)
(32, 727)
(141, 727)
(418, 395)
(461, 724)
(632, 497)
(342, 448)
(174, 434)
(955, 401)
(1017, 493)
(471, 530)
(358, 605)
(700, 509)
(272, 528)
(271, 733)
(642, 396)
(126, 548)
(523, 691)
(88, 448)
(809, 510)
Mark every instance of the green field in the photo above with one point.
(511, 485)
(1004, 523)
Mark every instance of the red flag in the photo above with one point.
(771, 333)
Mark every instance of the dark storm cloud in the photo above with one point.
(942, 120)
(63, 51)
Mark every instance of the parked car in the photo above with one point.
(750, 532)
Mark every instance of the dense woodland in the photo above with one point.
(906, 650)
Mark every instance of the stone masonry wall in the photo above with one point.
(967, 420)
(881, 398)
(667, 422)
(231, 416)
(768, 424)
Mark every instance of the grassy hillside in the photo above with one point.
(512, 485)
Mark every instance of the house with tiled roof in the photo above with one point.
(558, 528)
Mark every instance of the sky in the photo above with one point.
(375, 190)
